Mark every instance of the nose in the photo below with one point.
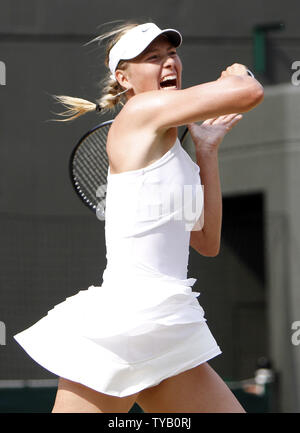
(169, 61)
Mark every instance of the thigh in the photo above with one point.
(199, 389)
(74, 397)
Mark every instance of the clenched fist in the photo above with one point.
(235, 69)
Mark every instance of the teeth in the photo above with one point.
(169, 77)
(169, 88)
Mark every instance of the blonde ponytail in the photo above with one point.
(76, 107)
(112, 93)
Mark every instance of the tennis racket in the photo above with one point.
(88, 167)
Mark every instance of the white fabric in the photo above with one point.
(144, 323)
(136, 40)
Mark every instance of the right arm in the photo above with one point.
(234, 92)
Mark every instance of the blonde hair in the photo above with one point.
(112, 92)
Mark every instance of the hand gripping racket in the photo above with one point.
(88, 167)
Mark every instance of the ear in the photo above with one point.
(122, 78)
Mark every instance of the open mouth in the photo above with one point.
(169, 82)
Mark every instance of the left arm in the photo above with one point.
(207, 241)
(207, 138)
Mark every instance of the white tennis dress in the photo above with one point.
(144, 323)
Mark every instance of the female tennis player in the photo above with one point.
(142, 336)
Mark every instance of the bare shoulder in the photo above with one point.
(140, 108)
(134, 143)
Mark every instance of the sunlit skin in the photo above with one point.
(142, 75)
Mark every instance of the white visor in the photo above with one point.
(136, 40)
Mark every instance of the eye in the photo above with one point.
(153, 57)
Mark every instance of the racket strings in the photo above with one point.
(90, 166)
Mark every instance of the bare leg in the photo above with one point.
(74, 397)
(199, 389)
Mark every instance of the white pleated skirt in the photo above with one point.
(122, 337)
